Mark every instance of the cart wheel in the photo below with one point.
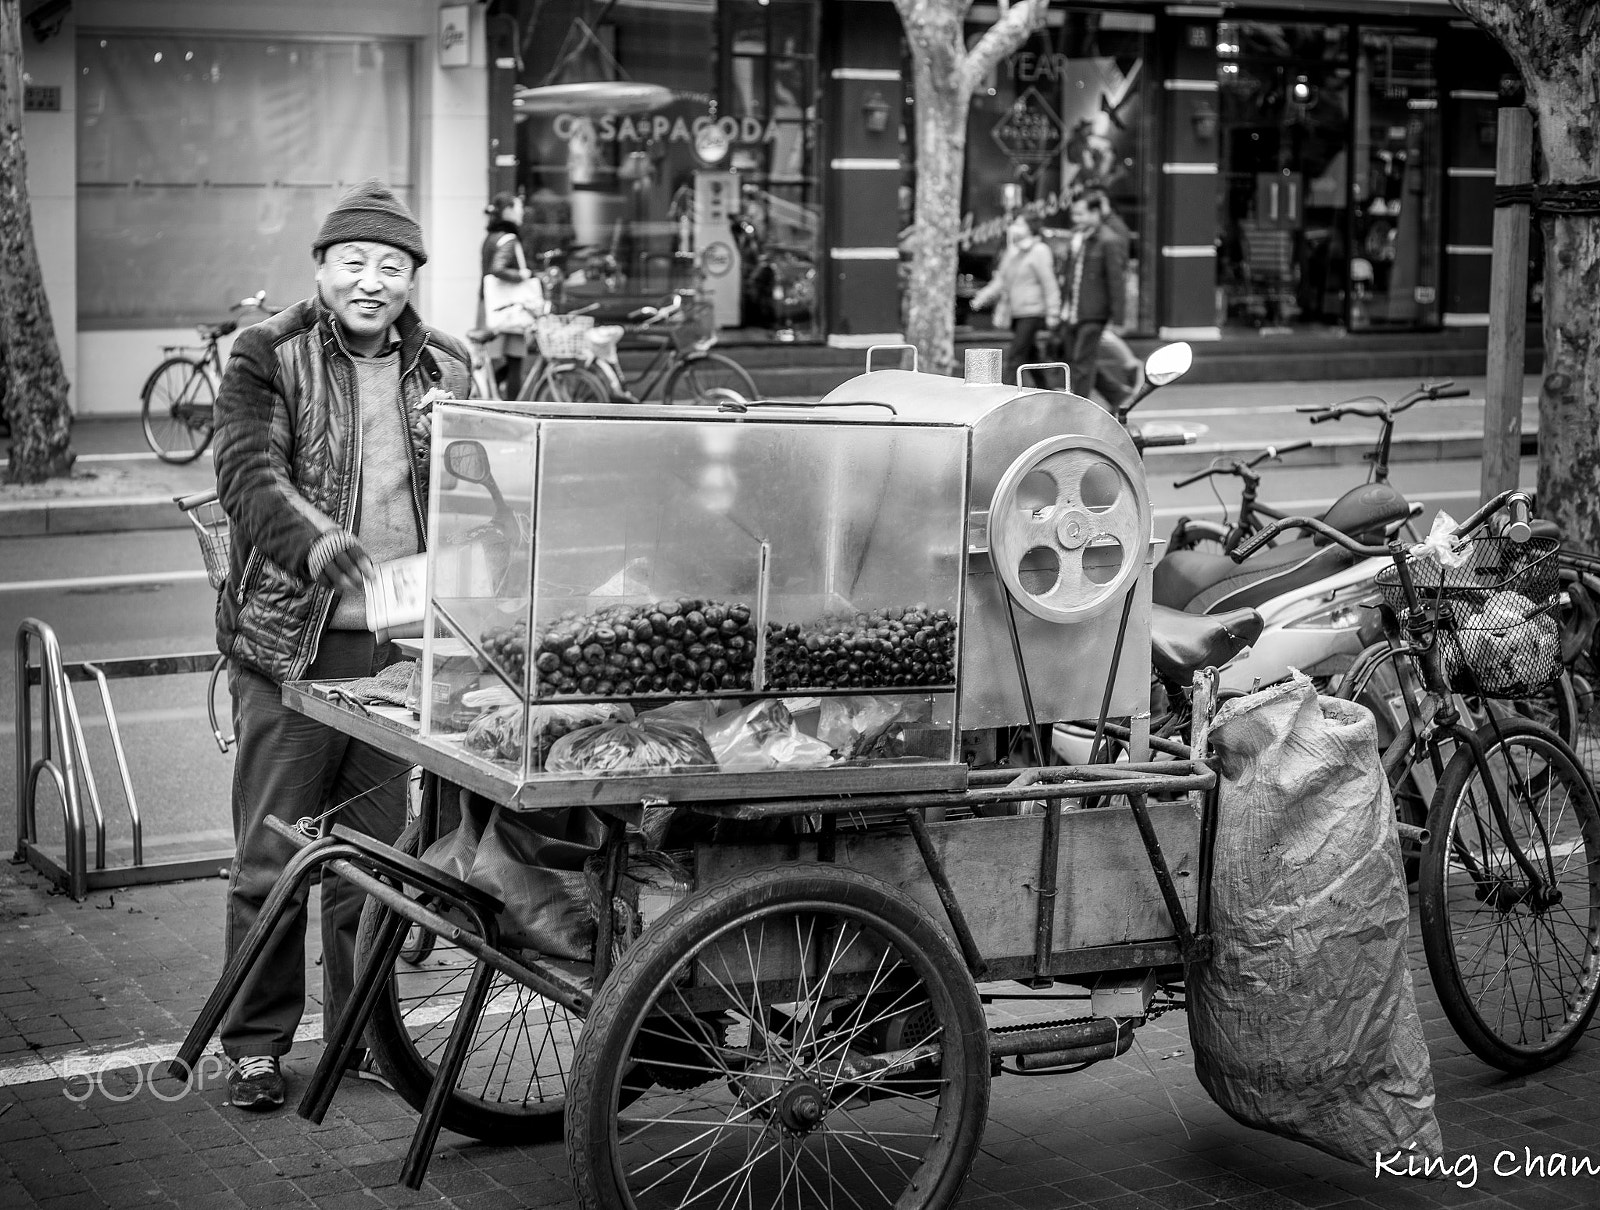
(513, 1085)
(813, 1038)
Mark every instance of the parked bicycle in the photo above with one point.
(544, 376)
(178, 401)
(1509, 868)
(683, 365)
(1192, 534)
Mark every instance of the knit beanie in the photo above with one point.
(371, 211)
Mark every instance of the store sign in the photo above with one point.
(455, 49)
(700, 132)
(41, 98)
(1030, 133)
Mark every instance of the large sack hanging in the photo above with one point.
(1304, 1021)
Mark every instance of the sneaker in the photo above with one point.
(363, 1066)
(256, 1084)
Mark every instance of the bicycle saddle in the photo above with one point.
(480, 336)
(1197, 582)
(215, 330)
(1182, 643)
(1365, 512)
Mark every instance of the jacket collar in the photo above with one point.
(409, 325)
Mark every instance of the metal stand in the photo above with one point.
(64, 758)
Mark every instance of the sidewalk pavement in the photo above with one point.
(119, 485)
(111, 984)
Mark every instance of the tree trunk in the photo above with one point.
(1556, 46)
(944, 74)
(35, 384)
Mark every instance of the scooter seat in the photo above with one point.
(1183, 643)
(1197, 582)
(1365, 512)
(1543, 527)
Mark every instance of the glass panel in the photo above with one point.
(1394, 267)
(1069, 111)
(223, 155)
(710, 178)
(1284, 130)
(674, 558)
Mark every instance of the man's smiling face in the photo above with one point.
(366, 286)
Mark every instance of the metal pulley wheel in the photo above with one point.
(1068, 527)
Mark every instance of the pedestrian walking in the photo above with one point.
(1094, 298)
(322, 462)
(1114, 351)
(509, 295)
(1023, 291)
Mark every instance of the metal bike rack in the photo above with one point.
(64, 758)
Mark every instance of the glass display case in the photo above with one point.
(623, 593)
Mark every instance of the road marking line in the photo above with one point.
(181, 576)
(1280, 408)
(74, 1063)
(131, 457)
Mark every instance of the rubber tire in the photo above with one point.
(1450, 806)
(604, 1050)
(411, 1073)
(155, 414)
(690, 381)
(1206, 537)
(564, 382)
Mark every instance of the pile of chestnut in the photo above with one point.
(887, 648)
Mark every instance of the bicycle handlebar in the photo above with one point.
(1518, 531)
(1156, 440)
(1234, 466)
(1443, 389)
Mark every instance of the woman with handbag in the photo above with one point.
(510, 295)
(1024, 292)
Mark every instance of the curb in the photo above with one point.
(131, 513)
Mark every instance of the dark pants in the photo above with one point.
(1024, 347)
(1081, 346)
(288, 766)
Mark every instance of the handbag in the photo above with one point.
(510, 307)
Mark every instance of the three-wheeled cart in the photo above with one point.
(875, 611)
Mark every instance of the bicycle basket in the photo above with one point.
(216, 541)
(697, 328)
(563, 336)
(1501, 639)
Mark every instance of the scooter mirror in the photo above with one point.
(467, 460)
(1168, 363)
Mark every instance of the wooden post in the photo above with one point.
(1508, 308)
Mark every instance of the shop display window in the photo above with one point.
(666, 144)
(788, 590)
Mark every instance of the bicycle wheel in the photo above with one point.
(813, 1040)
(565, 382)
(1207, 537)
(178, 409)
(695, 380)
(1516, 962)
(513, 1085)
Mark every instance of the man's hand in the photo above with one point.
(338, 561)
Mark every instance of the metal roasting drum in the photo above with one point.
(1060, 514)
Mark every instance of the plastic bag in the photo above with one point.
(764, 736)
(861, 726)
(498, 734)
(1441, 544)
(1304, 1022)
(657, 745)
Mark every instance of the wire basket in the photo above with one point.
(696, 328)
(1501, 639)
(564, 337)
(216, 540)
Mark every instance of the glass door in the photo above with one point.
(1395, 253)
(1284, 91)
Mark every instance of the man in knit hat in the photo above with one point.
(322, 463)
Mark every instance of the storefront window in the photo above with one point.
(672, 145)
(1284, 158)
(1070, 111)
(1394, 262)
(205, 165)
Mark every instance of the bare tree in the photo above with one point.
(1556, 46)
(945, 75)
(31, 375)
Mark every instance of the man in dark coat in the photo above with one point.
(1093, 298)
(322, 468)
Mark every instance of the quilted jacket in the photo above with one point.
(288, 458)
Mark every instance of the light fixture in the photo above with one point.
(875, 113)
(1204, 121)
(1302, 90)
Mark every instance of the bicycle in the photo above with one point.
(546, 378)
(177, 404)
(204, 512)
(1356, 507)
(1212, 538)
(1508, 872)
(683, 364)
